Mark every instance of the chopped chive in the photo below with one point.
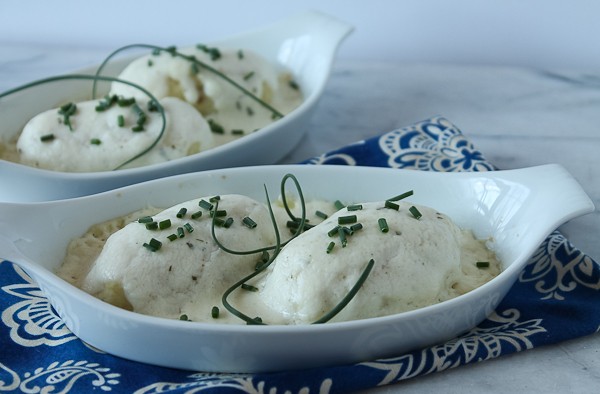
(228, 222)
(383, 226)
(248, 75)
(356, 227)
(184, 317)
(333, 231)
(164, 224)
(248, 222)
(66, 111)
(214, 312)
(415, 212)
(219, 213)
(124, 102)
(215, 127)
(240, 54)
(205, 204)
(95, 141)
(294, 85)
(188, 227)
(391, 205)
(347, 219)
(249, 111)
(338, 204)
(120, 120)
(237, 132)
(181, 213)
(150, 63)
(153, 245)
(219, 222)
(145, 219)
(47, 138)
(401, 196)
(354, 207)
(482, 264)
(330, 247)
(196, 214)
(152, 225)
(215, 199)
(172, 237)
(343, 239)
(180, 232)
(321, 214)
(249, 287)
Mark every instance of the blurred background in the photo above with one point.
(536, 33)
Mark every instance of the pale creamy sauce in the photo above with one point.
(203, 110)
(418, 262)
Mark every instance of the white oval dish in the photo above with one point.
(304, 44)
(516, 208)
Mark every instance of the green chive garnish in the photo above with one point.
(120, 120)
(47, 138)
(343, 240)
(215, 127)
(355, 207)
(383, 226)
(330, 247)
(181, 213)
(172, 237)
(184, 317)
(214, 312)
(356, 227)
(180, 232)
(205, 204)
(347, 219)
(237, 132)
(482, 264)
(152, 226)
(145, 219)
(215, 199)
(415, 212)
(392, 205)
(333, 231)
(401, 196)
(196, 214)
(249, 287)
(188, 227)
(228, 222)
(153, 245)
(164, 224)
(248, 222)
(320, 214)
(338, 204)
(248, 75)
(95, 141)
(219, 214)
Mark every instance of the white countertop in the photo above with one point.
(517, 117)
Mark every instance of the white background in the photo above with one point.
(538, 33)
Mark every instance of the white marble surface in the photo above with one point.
(516, 116)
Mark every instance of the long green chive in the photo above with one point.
(248, 222)
(214, 312)
(415, 212)
(401, 196)
(152, 225)
(47, 138)
(330, 246)
(482, 264)
(181, 213)
(349, 219)
(321, 214)
(164, 224)
(391, 205)
(383, 226)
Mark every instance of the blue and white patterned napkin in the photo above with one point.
(557, 297)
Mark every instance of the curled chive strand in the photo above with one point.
(172, 50)
(349, 296)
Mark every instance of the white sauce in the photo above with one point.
(417, 263)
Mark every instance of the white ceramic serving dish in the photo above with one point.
(305, 44)
(516, 208)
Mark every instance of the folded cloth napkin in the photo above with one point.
(557, 297)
